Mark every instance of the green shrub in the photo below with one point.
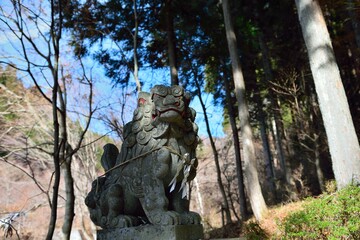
(332, 216)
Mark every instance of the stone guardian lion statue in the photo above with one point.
(147, 181)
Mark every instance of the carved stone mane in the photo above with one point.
(147, 181)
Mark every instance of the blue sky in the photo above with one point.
(152, 77)
(106, 96)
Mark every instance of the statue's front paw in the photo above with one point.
(190, 218)
(123, 221)
(165, 218)
(120, 221)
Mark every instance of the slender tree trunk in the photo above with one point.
(275, 109)
(354, 21)
(343, 143)
(199, 196)
(239, 170)
(225, 206)
(314, 111)
(319, 172)
(135, 38)
(171, 40)
(69, 193)
(269, 167)
(279, 134)
(66, 158)
(70, 199)
(252, 181)
(56, 160)
(58, 144)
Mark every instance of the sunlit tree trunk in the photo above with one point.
(135, 39)
(343, 143)
(251, 176)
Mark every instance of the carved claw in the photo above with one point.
(120, 221)
(165, 218)
(190, 218)
(123, 221)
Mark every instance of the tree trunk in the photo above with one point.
(58, 144)
(70, 194)
(354, 21)
(56, 160)
(239, 169)
(225, 206)
(65, 156)
(275, 109)
(269, 167)
(313, 113)
(252, 181)
(135, 39)
(343, 143)
(199, 196)
(70, 199)
(171, 40)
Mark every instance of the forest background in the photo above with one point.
(58, 59)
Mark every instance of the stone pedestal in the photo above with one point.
(153, 232)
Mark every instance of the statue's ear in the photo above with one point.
(143, 98)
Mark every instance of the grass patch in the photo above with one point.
(332, 216)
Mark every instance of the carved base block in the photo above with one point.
(146, 232)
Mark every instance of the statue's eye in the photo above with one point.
(156, 96)
(177, 91)
(160, 90)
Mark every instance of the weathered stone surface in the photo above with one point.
(153, 232)
(147, 181)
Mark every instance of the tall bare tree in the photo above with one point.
(253, 188)
(343, 143)
(35, 30)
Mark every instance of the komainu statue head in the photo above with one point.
(147, 181)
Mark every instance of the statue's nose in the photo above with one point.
(170, 100)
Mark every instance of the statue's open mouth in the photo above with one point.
(158, 112)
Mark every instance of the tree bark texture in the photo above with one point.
(343, 143)
(251, 176)
(70, 199)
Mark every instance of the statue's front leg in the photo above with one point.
(181, 206)
(155, 203)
